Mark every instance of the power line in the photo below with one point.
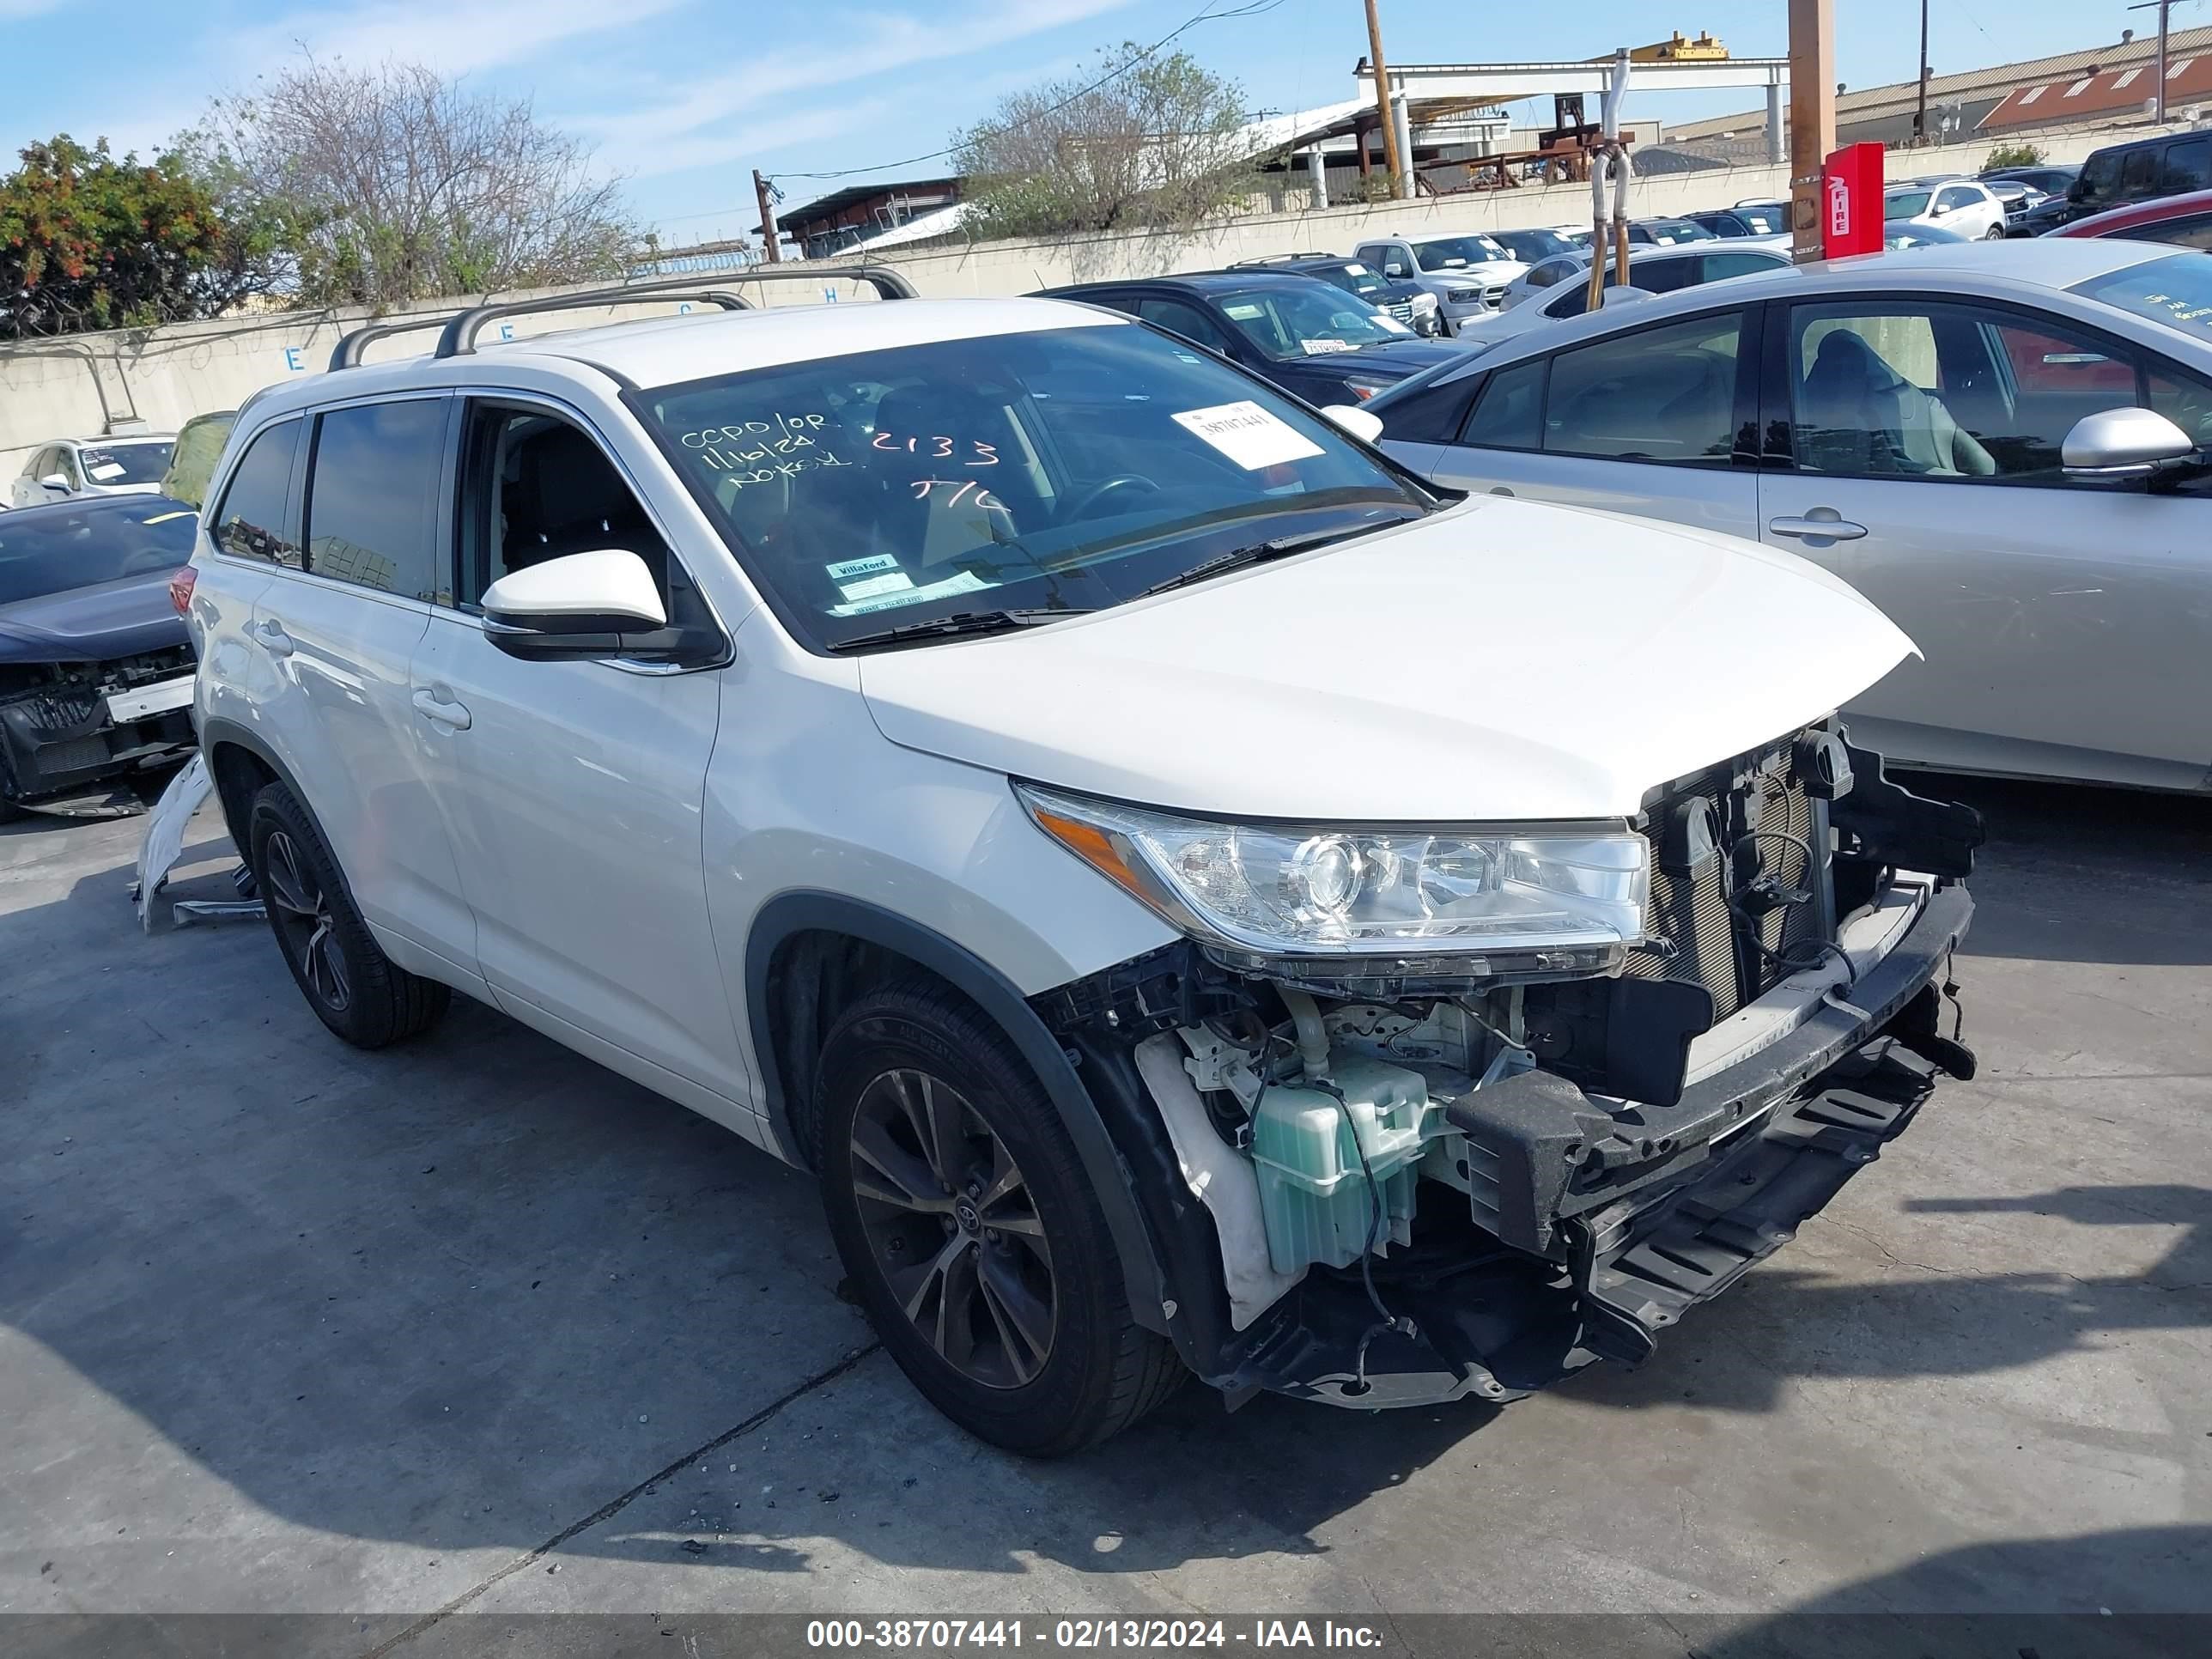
(1254, 8)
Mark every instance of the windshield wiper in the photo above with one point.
(1258, 553)
(960, 622)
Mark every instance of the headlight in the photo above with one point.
(1423, 304)
(1364, 390)
(1276, 891)
(1463, 296)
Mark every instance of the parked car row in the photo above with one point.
(82, 468)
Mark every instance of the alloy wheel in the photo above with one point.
(302, 911)
(952, 1228)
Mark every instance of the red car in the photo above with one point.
(2185, 220)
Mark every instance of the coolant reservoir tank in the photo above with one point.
(1314, 1195)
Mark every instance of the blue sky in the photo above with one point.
(683, 98)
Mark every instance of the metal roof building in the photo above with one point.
(2008, 98)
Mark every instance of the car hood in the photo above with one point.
(1485, 275)
(98, 624)
(1396, 357)
(1501, 660)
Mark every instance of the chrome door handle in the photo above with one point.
(1832, 526)
(273, 638)
(444, 710)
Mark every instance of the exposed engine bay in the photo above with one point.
(69, 729)
(1408, 1189)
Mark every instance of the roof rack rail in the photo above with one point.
(347, 354)
(460, 337)
(1277, 259)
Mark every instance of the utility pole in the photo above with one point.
(768, 218)
(1920, 110)
(1812, 116)
(1390, 156)
(2165, 9)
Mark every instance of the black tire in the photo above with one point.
(357, 990)
(1098, 1371)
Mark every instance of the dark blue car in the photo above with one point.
(1407, 302)
(95, 663)
(1311, 339)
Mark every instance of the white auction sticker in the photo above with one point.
(1247, 434)
(895, 581)
(874, 564)
(966, 582)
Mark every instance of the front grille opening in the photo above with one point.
(1706, 926)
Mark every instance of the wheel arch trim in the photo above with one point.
(790, 914)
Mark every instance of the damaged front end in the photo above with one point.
(69, 729)
(1388, 1179)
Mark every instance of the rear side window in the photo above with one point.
(2195, 231)
(1719, 267)
(253, 521)
(2188, 167)
(372, 497)
(2139, 173)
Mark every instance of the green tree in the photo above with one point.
(2014, 155)
(1134, 141)
(88, 241)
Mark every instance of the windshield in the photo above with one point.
(1354, 279)
(1450, 252)
(1530, 246)
(1069, 469)
(110, 464)
(1668, 231)
(2176, 290)
(1766, 220)
(1290, 320)
(47, 549)
(1904, 204)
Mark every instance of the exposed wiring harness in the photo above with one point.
(1790, 961)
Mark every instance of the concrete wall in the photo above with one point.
(81, 385)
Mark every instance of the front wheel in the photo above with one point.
(969, 1229)
(1994, 234)
(357, 990)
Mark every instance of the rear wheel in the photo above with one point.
(355, 989)
(969, 1229)
(1994, 234)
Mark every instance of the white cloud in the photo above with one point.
(455, 39)
(669, 135)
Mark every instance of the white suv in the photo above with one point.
(1198, 897)
(1468, 271)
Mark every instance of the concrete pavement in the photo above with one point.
(472, 1327)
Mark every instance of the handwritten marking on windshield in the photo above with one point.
(925, 488)
(937, 446)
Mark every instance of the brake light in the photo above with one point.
(180, 589)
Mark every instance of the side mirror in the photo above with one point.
(1358, 422)
(588, 607)
(54, 481)
(2126, 443)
